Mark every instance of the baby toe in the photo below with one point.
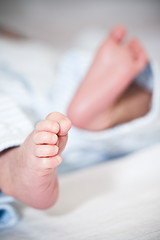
(45, 138)
(138, 53)
(63, 121)
(118, 33)
(50, 163)
(42, 151)
(48, 126)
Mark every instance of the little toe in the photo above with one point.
(138, 53)
(118, 34)
(63, 121)
(135, 47)
(51, 162)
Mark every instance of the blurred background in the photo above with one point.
(59, 22)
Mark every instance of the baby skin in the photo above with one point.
(28, 172)
(101, 101)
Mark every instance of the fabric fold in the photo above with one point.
(8, 214)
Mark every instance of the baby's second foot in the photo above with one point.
(33, 170)
(115, 66)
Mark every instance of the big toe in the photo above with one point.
(118, 34)
(63, 121)
(138, 53)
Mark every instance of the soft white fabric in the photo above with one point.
(27, 73)
(14, 125)
(8, 215)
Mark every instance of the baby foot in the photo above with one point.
(33, 167)
(115, 66)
